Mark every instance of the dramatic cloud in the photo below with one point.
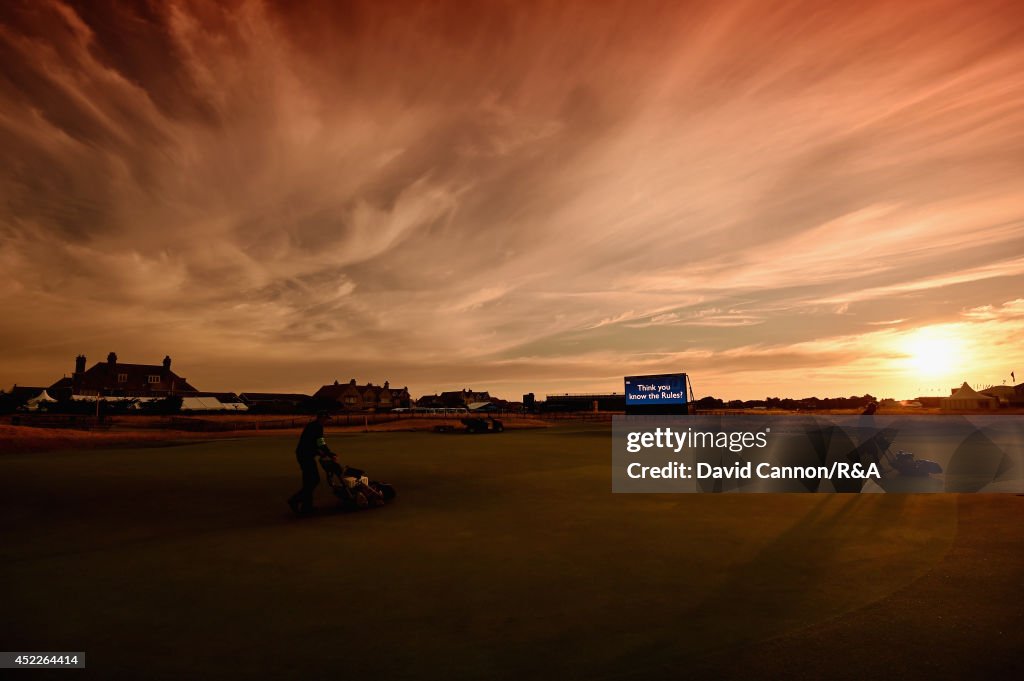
(521, 196)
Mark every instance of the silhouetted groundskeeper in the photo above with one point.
(350, 485)
(311, 445)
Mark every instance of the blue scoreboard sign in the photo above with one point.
(658, 394)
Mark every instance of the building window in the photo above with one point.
(153, 379)
(122, 378)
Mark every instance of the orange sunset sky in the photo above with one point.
(781, 198)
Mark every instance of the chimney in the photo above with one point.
(167, 363)
(385, 385)
(352, 382)
(112, 359)
(80, 364)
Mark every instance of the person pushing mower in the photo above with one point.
(311, 446)
(350, 485)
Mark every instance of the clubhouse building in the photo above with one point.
(117, 379)
(369, 397)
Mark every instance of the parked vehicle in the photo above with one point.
(477, 424)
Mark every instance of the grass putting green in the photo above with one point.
(504, 556)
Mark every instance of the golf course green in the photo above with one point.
(505, 556)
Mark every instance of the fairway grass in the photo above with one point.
(504, 556)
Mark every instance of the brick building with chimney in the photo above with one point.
(352, 397)
(454, 398)
(117, 379)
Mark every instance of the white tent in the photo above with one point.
(968, 398)
(109, 398)
(37, 401)
(137, 402)
(200, 404)
(210, 404)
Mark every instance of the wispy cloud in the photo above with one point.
(553, 193)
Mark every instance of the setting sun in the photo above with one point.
(934, 352)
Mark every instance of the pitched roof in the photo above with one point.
(25, 392)
(336, 390)
(41, 397)
(107, 376)
(966, 392)
(1003, 391)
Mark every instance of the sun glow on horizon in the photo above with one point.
(934, 352)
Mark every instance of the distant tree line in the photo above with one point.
(789, 403)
